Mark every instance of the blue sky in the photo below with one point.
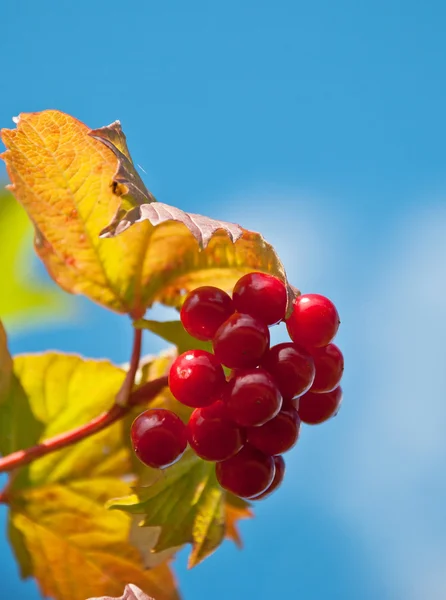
(322, 125)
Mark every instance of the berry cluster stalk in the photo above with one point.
(125, 401)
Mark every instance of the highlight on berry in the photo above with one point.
(247, 399)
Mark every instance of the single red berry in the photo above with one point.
(291, 367)
(278, 478)
(279, 434)
(262, 296)
(196, 378)
(252, 397)
(314, 321)
(247, 474)
(159, 437)
(329, 364)
(212, 434)
(317, 408)
(241, 341)
(204, 310)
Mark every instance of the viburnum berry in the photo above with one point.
(291, 367)
(279, 434)
(158, 437)
(262, 296)
(247, 474)
(196, 378)
(241, 341)
(212, 434)
(252, 397)
(329, 364)
(279, 463)
(314, 321)
(317, 408)
(204, 310)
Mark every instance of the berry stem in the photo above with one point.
(122, 397)
(23, 457)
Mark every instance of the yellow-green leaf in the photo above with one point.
(23, 298)
(58, 524)
(19, 428)
(5, 365)
(74, 181)
(189, 506)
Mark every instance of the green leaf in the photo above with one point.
(187, 503)
(174, 333)
(58, 526)
(23, 295)
(5, 365)
(19, 427)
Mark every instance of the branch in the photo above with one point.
(122, 396)
(146, 392)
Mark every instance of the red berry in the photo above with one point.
(278, 478)
(252, 397)
(212, 435)
(204, 310)
(291, 367)
(278, 435)
(314, 321)
(241, 341)
(196, 378)
(159, 437)
(262, 296)
(329, 364)
(247, 474)
(317, 408)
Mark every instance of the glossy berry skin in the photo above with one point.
(204, 310)
(317, 408)
(314, 321)
(247, 474)
(252, 397)
(241, 341)
(158, 437)
(279, 434)
(329, 364)
(196, 378)
(279, 475)
(212, 435)
(292, 368)
(262, 296)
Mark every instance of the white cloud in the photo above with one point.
(393, 459)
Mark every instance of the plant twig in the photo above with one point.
(23, 457)
(122, 396)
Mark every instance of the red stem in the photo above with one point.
(124, 393)
(24, 457)
(125, 400)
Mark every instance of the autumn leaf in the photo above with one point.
(72, 181)
(189, 506)
(131, 592)
(58, 524)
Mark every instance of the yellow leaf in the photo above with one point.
(76, 549)
(60, 530)
(74, 181)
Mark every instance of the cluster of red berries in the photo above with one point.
(245, 422)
